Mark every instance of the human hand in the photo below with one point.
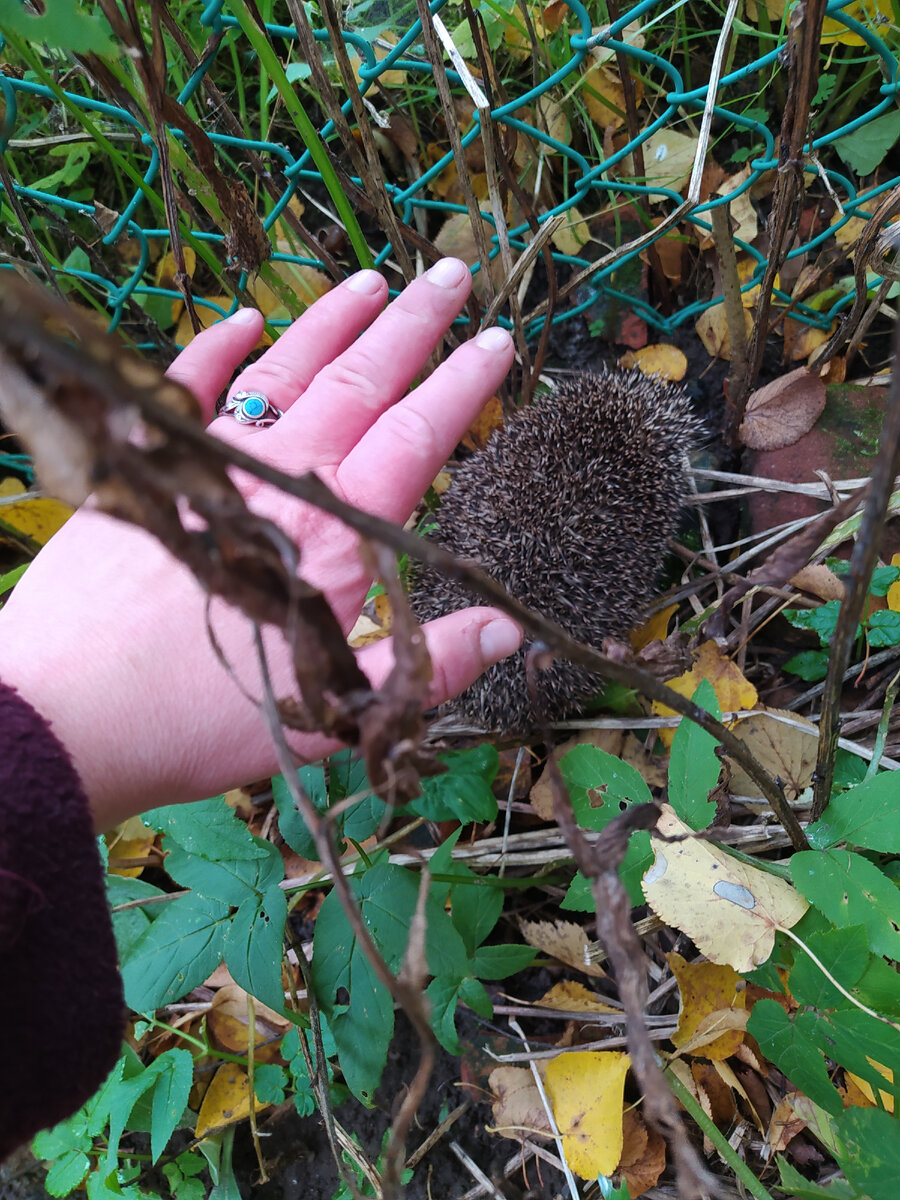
(105, 634)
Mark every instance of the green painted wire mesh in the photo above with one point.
(62, 121)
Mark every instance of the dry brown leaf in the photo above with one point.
(786, 752)
(784, 1125)
(228, 1024)
(643, 1154)
(744, 221)
(713, 1093)
(573, 234)
(711, 995)
(780, 413)
(562, 940)
(801, 340)
(819, 580)
(730, 910)
(488, 420)
(517, 1107)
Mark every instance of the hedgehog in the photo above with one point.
(569, 506)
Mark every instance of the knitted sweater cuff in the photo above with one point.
(61, 1004)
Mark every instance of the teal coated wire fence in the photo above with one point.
(66, 128)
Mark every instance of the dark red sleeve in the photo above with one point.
(61, 1005)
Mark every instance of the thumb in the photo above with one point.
(461, 645)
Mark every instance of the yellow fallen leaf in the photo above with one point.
(586, 1090)
(227, 1100)
(570, 996)
(731, 911)
(893, 592)
(662, 359)
(708, 991)
(887, 1100)
(733, 690)
(874, 14)
(668, 160)
(654, 629)
(206, 315)
(131, 839)
(712, 330)
(36, 519)
(572, 234)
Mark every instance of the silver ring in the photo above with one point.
(252, 408)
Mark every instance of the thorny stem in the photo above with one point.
(862, 562)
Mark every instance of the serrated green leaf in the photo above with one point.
(269, 1083)
(865, 148)
(822, 620)
(498, 962)
(850, 890)
(793, 1044)
(66, 1172)
(130, 925)
(181, 948)
(858, 1041)
(867, 815)
(883, 629)
(170, 1077)
(463, 793)
(253, 946)
(207, 827)
(230, 881)
(346, 777)
(694, 767)
(600, 785)
(64, 26)
(797, 1185)
(883, 579)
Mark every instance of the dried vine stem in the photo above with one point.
(862, 562)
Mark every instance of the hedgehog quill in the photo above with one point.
(569, 507)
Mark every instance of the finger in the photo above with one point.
(323, 332)
(207, 363)
(354, 389)
(389, 470)
(461, 646)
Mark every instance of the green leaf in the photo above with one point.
(443, 995)
(66, 1172)
(600, 785)
(233, 881)
(10, 578)
(867, 815)
(821, 621)
(269, 1083)
(694, 767)
(845, 953)
(871, 1151)
(181, 948)
(475, 909)
(253, 946)
(858, 1041)
(637, 861)
(883, 578)
(207, 827)
(794, 1046)
(811, 665)
(883, 628)
(865, 148)
(346, 777)
(170, 1076)
(64, 26)
(498, 962)
(850, 890)
(463, 793)
(131, 925)
(795, 1184)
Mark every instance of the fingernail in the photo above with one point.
(493, 339)
(448, 273)
(499, 639)
(244, 316)
(364, 283)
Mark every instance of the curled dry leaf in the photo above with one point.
(569, 996)
(786, 751)
(643, 1154)
(563, 940)
(711, 995)
(780, 413)
(730, 910)
(820, 581)
(517, 1107)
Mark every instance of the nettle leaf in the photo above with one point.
(253, 946)
(233, 881)
(867, 815)
(181, 948)
(463, 793)
(170, 1077)
(346, 777)
(207, 827)
(498, 962)
(359, 1008)
(131, 925)
(794, 1045)
(694, 767)
(850, 890)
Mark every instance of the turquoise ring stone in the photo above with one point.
(251, 408)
